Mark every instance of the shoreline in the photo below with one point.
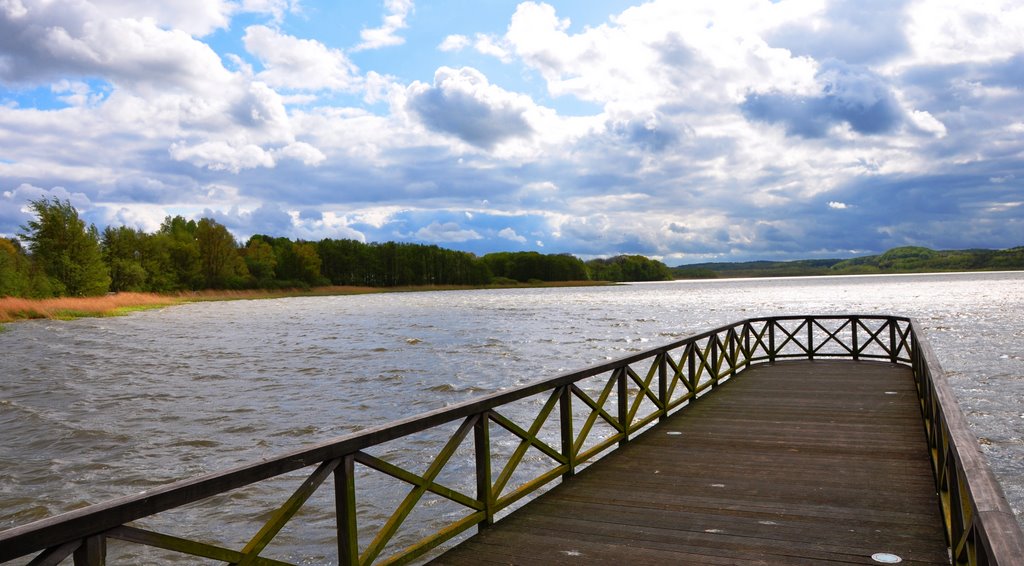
(16, 309)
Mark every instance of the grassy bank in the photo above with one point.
(66, 308)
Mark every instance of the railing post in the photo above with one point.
(747, 354)
(565, 420)
(623, 405)
(810, 338)
(732, 350)
(771, 340)
(716, 366)
(691, 363)
(854, 322)
(892, 340)
(663, 384)
(92, 552)
(482, 448)
(345, 509)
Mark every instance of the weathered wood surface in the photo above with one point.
(804, 462)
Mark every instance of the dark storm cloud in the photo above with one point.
(853, 95)
(268, 219)
(960, 210)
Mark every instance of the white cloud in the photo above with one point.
(510, 234)
(666, 136)
(75, 93)
(299, 64)
(53, 40)
(925, 122)
(462, 102)
(303, 152)
(276, 8)
(144, 217)
(661, 52)
(329, 225)
(386, 34)
(454, 43)
(195, 17)
(446, 232)
(223, 156)
(488, 45)
(950, 31)
(376, 217)
(14, 211)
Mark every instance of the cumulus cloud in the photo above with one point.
(50, 40)
(299, 64)
(267, 218)
(386, 34)
(696, 54)
(145, 217)
(869, 31)
(511, 235)
(653, 132)
(949, 32)
(463, 103)
(223, 156)
(226, 156)
(446, 232)
(195, 17)
(849, 94)
(14, 211)
(454, 42)
(732, 128)
(76, 93)
(303, 152)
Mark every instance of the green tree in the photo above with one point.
(629, 268)
(123, 250)
(14, 269)
(176, 242)
(66, 251)
(308, 262)
(524, 266)
(220, 264)
(260, 260)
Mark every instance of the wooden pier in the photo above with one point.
(810, 462)
(777, 440)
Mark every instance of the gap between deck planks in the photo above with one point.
(802, 462)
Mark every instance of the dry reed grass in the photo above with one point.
(14, 308)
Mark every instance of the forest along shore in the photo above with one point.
(13, 309)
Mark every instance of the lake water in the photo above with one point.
(97, 408)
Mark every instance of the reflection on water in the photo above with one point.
(97, 408)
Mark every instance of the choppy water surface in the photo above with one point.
(97, 408)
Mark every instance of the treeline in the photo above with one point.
(63, 256)
(907, 259)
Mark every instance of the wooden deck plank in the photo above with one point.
(804, 462)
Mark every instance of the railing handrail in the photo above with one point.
(80, 524)
(985, 531)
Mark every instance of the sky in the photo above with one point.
(686, 131)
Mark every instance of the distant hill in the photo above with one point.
(908, 259)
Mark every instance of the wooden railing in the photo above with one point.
(564, 423)
(980, 525)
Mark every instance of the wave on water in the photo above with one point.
(163, 394)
